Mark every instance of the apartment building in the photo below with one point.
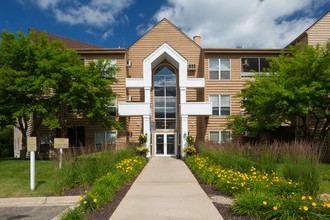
(170, 87)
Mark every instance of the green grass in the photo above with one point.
(325, 183)
(15, 178)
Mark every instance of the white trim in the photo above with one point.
(219, 100)
(219, 133)
(165, 144)
(219, 68)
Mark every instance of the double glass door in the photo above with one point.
(165, 144)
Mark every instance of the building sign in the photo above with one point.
(61, 142)
(32, 144)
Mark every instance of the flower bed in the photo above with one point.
(259, 194)
(105, 187)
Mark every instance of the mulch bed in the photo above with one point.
(105, 211)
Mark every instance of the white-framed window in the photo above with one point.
(219, 69)
(220, 104)
(220, 136)
(104, 139)
(113, 107)
(112, 62)
(249, 65)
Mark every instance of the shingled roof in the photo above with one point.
(73, 44)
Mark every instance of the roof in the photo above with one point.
(241, 51)
(175, 27)
(303, 34)
(70, 43)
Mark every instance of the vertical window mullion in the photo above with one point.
(219, 100)
(219, 69)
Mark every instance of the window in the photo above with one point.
(165, 97)
(219, 69)
(220, 136)
(104, 139)
(112, 63)
(220, 104)
(250, 65)
(113, 107)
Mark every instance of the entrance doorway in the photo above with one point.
(165, 144)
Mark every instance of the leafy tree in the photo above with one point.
(296, 91)
(39, 78)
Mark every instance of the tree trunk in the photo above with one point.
(23, 127)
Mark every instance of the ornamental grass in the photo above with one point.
(105, 187)
(259, 194)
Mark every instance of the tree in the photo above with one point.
(38, 78)
(295, 90)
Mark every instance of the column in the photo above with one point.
(147, 97)
(184, 132)
(146, 131)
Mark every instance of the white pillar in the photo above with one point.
(32, 170)
(183, 95)
(147, 97)
(184, 132)
(146, 131)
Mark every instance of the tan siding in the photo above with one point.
(163, 32)
(319, 33)
(230, 87)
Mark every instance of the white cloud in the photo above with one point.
(236, 23)
(101, 14)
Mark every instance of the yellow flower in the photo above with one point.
(305, 208)
(310, 198)
(80, 198)
(303, 198)
(94, 200)
(275, 207)
(85, 202)
(314, 204)
(264, 203)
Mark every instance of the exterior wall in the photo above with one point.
(162, 33)
(165, 32)
(319, 33)
(230, 87)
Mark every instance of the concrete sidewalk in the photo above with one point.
(166, 189)
(41, 208)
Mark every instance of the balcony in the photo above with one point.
(134, 82)
(196, 108)
(133, 108)
(195, 83)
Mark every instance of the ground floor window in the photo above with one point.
(220, 136)
(104, 139)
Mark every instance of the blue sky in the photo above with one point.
(119, 23)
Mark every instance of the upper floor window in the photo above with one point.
(250, 65)
(219, 69)
(113, 107)
(220, 104)
(112, 62)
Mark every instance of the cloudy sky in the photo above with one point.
(119, 23)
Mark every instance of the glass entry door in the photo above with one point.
(165, 144)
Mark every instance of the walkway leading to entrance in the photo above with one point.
(166, 189)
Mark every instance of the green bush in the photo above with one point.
(4, 153)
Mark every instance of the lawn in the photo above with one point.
(15, 178)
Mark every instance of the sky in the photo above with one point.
(120, 23)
